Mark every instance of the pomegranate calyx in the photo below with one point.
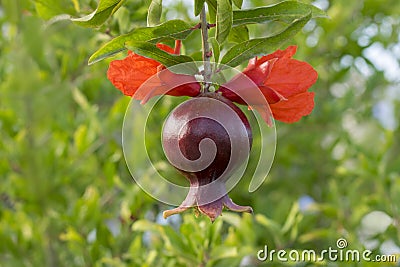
(207, 139)
(197, 197)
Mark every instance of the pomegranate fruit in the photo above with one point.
(207, 138)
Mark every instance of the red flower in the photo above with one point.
(130, 73)
(283, 81)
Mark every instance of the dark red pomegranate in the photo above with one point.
(207, 138)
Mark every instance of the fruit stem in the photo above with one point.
(206, 49)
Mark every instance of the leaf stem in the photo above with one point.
(206, 50)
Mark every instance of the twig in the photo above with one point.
(206, 49)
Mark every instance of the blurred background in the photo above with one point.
(67, 198)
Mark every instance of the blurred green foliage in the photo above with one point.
(66, 196)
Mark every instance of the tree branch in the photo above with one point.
(206, 50)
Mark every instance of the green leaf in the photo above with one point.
(103, 11)
(177, 243)
(215, 48)
(239, 34)
(273, 227)
(46, 9)
(224, 20)
(221, 252)
(284, 11)
(261, 46)
(150, 50)
(71, 235)
(291, 218)
(317, 234)
(173, 29)
(198, 6)
(212, 10)
(154, 13)
(76, 5)
(238, 3)
(123, 19)
(144, 225)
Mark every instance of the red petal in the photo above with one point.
(189, 89)
(169, 83)
(294, 108)
(282, 80)
(166, 48)
(260, 72)
(129, 73)
(287, 53)
(240, 86)
(270, 95)
(289, 77)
